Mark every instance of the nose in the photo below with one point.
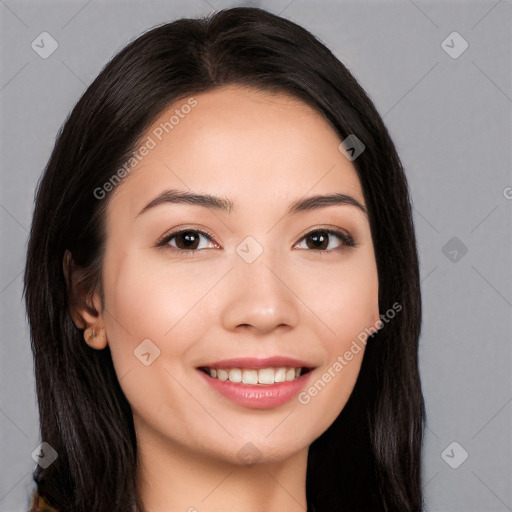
(259, 296)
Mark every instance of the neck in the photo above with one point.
(171, 477)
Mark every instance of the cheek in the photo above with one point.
(344, 296)
(346, 302)
(151, 299)
(146, 311)
(136, 310)
(327, 394)
(146, 300)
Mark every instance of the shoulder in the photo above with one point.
(39, 503)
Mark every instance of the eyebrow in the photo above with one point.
(173, 196)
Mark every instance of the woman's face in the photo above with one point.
(252, 281)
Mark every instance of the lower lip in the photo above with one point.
(259, 396)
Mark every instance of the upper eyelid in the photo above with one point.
(165, 239)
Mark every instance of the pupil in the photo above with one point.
(321, 238)
(188, 237)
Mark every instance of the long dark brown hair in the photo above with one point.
(369, 458)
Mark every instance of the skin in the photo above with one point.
(262, 151)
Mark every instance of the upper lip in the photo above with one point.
(259, 362)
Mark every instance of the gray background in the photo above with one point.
(450, 119)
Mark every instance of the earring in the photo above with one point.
(89, 334)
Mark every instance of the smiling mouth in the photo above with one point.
(252, 376)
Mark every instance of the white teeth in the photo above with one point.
(221, 374)
(290, 374)
(266, 376)
(235, 375)
(280, 375)
(253, 376)
(249, 377)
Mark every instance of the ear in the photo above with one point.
(84, 303)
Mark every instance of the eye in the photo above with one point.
(185, 241)
(188, 241)
(321, 240)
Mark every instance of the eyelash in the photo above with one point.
(346, 239)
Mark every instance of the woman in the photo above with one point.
(222, 283)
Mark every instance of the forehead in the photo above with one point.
(239, 142)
